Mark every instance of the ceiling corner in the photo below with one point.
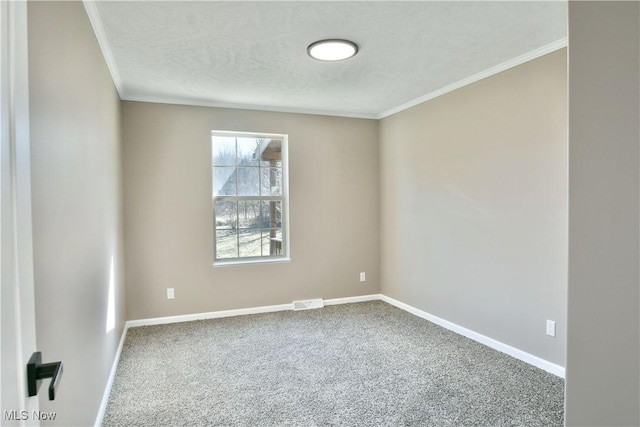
(96, 23)
(529, 56)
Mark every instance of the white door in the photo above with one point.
(17, 305)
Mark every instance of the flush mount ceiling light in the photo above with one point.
(332, 50)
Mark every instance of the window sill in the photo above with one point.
(234, 263)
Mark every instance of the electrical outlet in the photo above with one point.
(363, 277)
(551, 328)
(170, 294)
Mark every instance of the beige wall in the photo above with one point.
(76, 190)
(474, 206)
(603, 348)
(333, 176)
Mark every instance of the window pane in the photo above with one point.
(266, 244)
(226, 215)
(272, 243)
(223, 151)
(248, 181)
(248, 175)
(271, 153)
(271, 214)
(248, 151)
(249, 214)
(271, 181)
(250, 243)
(224, 181)
(226, 244)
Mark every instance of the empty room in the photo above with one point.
(320, 213)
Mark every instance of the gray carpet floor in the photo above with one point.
(361, 364)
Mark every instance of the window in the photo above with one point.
(250, 197)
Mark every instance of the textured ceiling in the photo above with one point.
(253, 54)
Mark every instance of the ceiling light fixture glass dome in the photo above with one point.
(332, 50)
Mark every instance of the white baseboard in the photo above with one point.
(208, 315)
(241, 311)
(112, 376)
(482, 339)
(349, 300)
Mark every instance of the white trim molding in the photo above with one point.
(240, 312)
(17, 290)
(193, 102)
(98, 28)
(482, 339)
(350, 300)
(529, 56)
(112, 376)
(208, 315)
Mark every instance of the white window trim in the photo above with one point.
(286, 235)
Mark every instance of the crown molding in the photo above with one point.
(98, 29)
(529, 56)
(215, 104)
